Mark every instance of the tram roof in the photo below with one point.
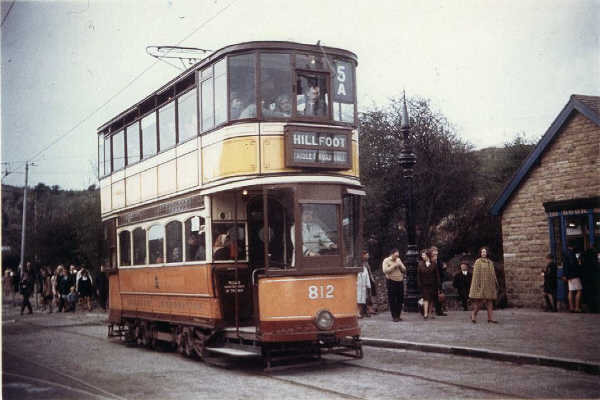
(232, 49)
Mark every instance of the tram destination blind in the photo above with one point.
(318, 149)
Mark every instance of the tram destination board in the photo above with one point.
(318, 147)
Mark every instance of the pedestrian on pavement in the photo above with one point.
(484, 285)
(102, 287)
(440, 271)
(549, 275)
(428, 281)
(363, 284)
(572, 275)
(462, 283)
(85, 288)
(47, 294)
(394, 271)
(26, 289)
(63, 285)
(589, 266)
(8, 286)
(71, 299)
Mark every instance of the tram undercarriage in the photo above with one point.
(219, 346)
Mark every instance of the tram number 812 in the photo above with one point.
(320, 292)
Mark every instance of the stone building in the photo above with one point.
(553, 200)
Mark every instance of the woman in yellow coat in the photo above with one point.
(483, 286)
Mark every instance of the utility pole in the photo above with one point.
(24, 226)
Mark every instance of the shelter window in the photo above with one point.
(276, 85)
(133, 143)
(195, 239)
(125, 248)
(174, 242)
(350, 230)
(149, 145)
(208, 116)
(220, 77)
(155, 244)
(118, 142)
(188, 115)
(166, 127)
(229, 242)
(139, 246)
(312, 99)
(242, 86)
(107, 156)
(343, 92)
(319, 229)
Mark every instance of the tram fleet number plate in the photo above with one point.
(320, 149)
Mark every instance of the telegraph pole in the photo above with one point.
(24, 225)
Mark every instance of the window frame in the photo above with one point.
(196, 109)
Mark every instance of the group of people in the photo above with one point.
(63, 287)
(578, 274)
(480, 286)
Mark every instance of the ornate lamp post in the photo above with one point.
(408, 159)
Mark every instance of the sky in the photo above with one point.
(493, 68)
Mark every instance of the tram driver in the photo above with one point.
(314, 239)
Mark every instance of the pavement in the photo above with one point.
(524, 336)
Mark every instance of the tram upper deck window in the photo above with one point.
(100, 155)
(174, 242)
(242, 92)
(207, 100)
(133, 143)
(319, 229)
(343, 92)
(107, 156)
(155, 244)
(188, 115)
(220, 78)
(149, 145)
(312, 98)
(276, 85)
(195, 239)
(118, 144)
(139, 246)
(125, 248)
(225, 246)
(166, 125)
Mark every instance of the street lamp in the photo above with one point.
(408, 159)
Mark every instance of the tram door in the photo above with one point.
(280, 218)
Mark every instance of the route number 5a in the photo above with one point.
(320, 292)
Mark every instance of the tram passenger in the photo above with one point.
(314, 238)
(281, 108)
(240, 108)
(311, 102)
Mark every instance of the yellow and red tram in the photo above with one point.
(231, 205)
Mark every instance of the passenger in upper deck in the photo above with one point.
(240, 109)
(281, 108)
(311, 102)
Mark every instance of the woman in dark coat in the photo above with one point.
(26, 289)
(549, 275)
(428, 280)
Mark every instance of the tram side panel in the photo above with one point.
(178, 294)
(289, 306)
(114, 299)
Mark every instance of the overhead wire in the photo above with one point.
(8, 12)
(87, 117)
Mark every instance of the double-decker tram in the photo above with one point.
(231, 206)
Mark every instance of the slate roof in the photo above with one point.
(586, 105)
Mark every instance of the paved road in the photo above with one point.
(67, 356)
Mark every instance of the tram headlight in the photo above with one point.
(324, 320)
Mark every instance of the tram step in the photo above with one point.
(232, 352)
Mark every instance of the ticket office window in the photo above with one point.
(229, 241)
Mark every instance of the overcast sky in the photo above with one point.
(493, 68)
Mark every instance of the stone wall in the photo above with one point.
(569, 168)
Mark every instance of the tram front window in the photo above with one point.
(319, 229)
(313, 97)
(275, 88)
(225, 246)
